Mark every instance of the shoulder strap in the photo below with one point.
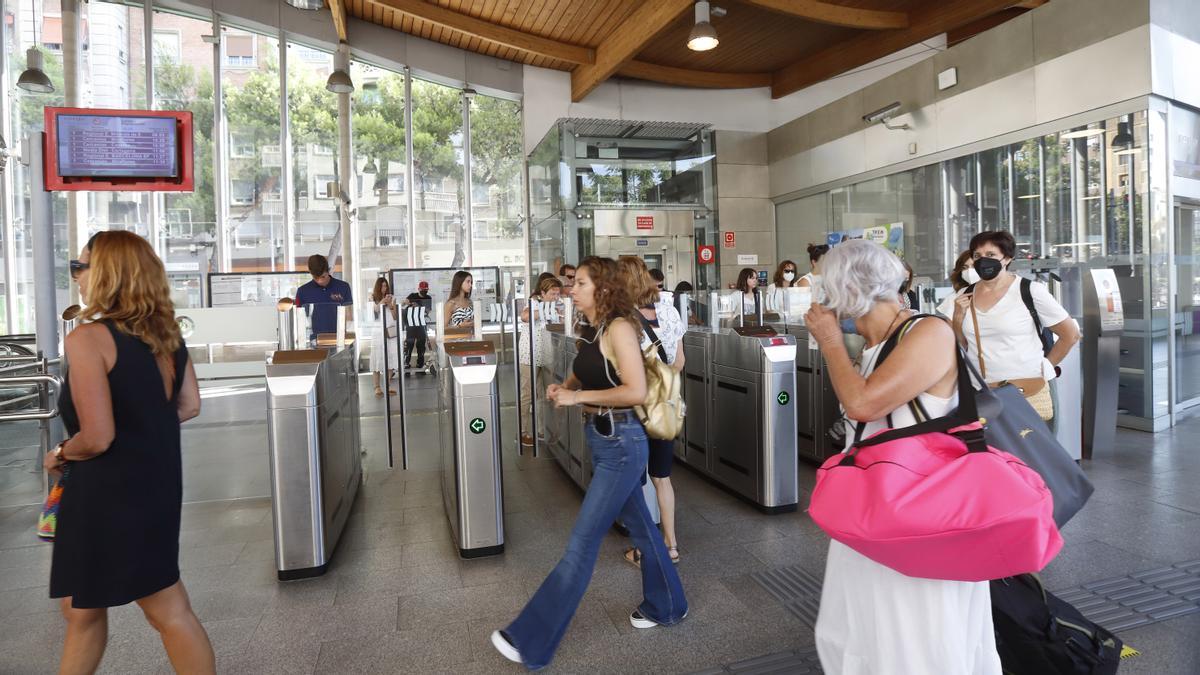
(662, 353)
(1027, 298)
(978, 340)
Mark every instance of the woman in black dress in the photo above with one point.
(130, 383)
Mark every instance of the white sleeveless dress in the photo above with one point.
(877, 621)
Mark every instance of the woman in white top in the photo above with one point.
(1012, 348)
(785, 277)
(668, 326)
(382, 301)
(534, 373)
(874, 619)
(747, 281)
(813, 278)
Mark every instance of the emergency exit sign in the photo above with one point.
(645, 222)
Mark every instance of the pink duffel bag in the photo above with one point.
(934, 501)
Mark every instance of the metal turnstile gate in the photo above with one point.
(315, 449)
(753, 436)
(470, 448)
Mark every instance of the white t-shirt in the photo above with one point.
(1012, 349)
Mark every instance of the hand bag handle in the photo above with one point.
(966, 414)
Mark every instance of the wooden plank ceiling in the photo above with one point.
(784, 44)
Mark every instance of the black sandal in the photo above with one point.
(633, 557)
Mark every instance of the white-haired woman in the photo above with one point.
(874, 619)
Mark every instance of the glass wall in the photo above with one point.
(253, 190)
(381, 189)
(28, 24)
(1077, 197)
(183, 80)
(313, 129)
(261, 208)
(497, 224)
(439, 192)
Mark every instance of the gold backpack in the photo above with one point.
(663, 412)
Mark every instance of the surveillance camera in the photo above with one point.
(883, 114)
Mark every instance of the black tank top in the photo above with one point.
(589, 365)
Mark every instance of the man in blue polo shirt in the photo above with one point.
(324, 293)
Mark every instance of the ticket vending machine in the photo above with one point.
(1103, 323)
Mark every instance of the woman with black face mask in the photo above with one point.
(994, 318)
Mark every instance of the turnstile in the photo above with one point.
(741, 396)
(819, 409)
(472, 488)
(316, 465)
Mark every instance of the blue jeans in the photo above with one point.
(618, 464)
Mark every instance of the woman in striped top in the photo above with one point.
(460, 313)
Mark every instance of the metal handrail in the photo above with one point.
(50, 412)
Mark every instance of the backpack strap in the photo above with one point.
(662, 353)
(889, 345)
(1047, 341)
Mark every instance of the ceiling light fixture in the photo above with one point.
(703, 36)
(306, 4)
(1124, 137)
(34, 78)
(339, 81)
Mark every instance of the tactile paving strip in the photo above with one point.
(1139, 599)
(795, 588)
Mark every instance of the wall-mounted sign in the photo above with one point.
(645, 222)
(744, 259)
(706, 255)
(890, 236)
(643, 242)
(730, 239)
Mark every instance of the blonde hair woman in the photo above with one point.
(130, 385)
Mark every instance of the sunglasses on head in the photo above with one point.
(77, 267)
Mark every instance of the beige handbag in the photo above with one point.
(1034, 389)
(663, 412)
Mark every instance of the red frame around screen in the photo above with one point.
(185, 182)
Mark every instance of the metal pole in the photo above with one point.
(517, 375)
(345, 171)
(76, 235)
(7, 212)
(387, 387)
(285, 172)
(221, 249)
(470, 242)
(157, 199)
(42, 224)
(411, 224)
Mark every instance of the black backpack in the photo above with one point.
(1038, 633)
(1044, 334)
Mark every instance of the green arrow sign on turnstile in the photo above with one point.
(478, 425)
(783, 398)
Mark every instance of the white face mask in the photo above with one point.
(970, 276)
(788, 276)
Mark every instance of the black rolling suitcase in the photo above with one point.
(1040, 634)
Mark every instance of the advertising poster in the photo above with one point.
(890, 236)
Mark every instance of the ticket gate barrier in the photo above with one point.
(819, 410)
(315, 455)
(472, 488)
(744, 384)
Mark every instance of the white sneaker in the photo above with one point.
(506, 648)
(639, 620)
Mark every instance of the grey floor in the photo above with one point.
(398, 599)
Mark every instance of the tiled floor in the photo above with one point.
(398, 599)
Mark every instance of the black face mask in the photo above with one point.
(988, 268)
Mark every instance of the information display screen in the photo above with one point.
(117, 146)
